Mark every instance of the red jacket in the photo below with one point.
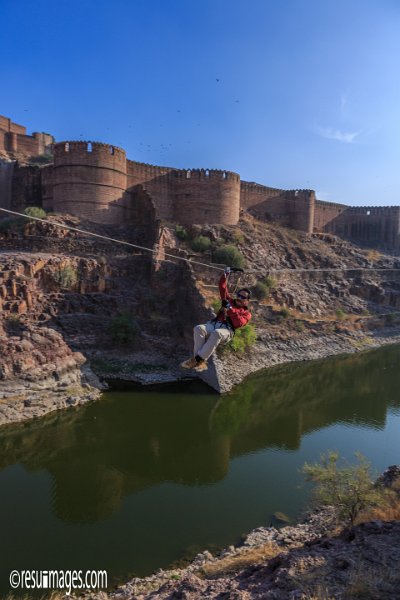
(239, 316)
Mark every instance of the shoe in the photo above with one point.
(190, 363)
(201, 366)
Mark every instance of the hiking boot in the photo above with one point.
(190, 363)
(201, 366)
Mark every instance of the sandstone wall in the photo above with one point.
(290, 208)
(13, 140)
(89, 180)
(156, 182)
(373, 225)
(325, 213)
(253, 193)
(206, 196)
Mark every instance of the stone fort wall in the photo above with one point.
(14, 140)
(97, 182)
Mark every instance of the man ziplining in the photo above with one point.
(232, 315)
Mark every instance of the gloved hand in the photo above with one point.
(226, 304)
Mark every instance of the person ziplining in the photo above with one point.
(233, 314)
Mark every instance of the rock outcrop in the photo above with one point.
(39, 373)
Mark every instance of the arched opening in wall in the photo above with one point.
(368, 212)
(89, 147)
(112, 150)
(188, 174)
(207, 173)
(224, 175)
(66, 147)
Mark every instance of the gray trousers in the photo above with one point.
(208, 336)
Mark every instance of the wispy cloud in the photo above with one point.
(330, 133)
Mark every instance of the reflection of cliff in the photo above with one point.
(276, 408)
(99, 454)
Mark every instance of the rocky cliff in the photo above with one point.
(55, 282)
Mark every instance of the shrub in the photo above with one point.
(123, 328)
(243, 339)
(229, 255)
(285, 313)
(391, 318)
(260, 290)
(66, 277)
(238, 237)
(299, 325)
(216, 304)
(340, 314)
(181, 232)
(270, 282)
(200, 243)
(348, 488)
(35, 211)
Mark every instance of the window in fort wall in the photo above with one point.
(66, 147)
(89, 147)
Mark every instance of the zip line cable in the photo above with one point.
(194, 262)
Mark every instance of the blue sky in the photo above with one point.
(289, 93)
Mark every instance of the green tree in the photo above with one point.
(349, 488)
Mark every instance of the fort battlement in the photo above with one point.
(16, 143)
(96, 181)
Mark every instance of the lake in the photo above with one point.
(142, 479)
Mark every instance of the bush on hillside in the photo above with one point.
(181, 232)
(66, 276)
(123, 328)
(35, 211)
(230, 256)
(349, 488)
(244, 338)
(200, 243)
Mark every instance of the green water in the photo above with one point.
(140, 479)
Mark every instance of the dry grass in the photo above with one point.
(237, 562)
(374, 255)
(388, 508)
(370, 583)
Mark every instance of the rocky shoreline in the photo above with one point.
(39, 373)
(271, 350)
(72, 383)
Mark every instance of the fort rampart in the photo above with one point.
(14, 140)
(97, 182)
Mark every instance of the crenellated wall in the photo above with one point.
(15, 142)
(290, 208)
(206, 196)
(89, 180)
(369, 225)
(95, 181)
(325, 213)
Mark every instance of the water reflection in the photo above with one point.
(99, 454)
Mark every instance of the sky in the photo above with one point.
(289, 93)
